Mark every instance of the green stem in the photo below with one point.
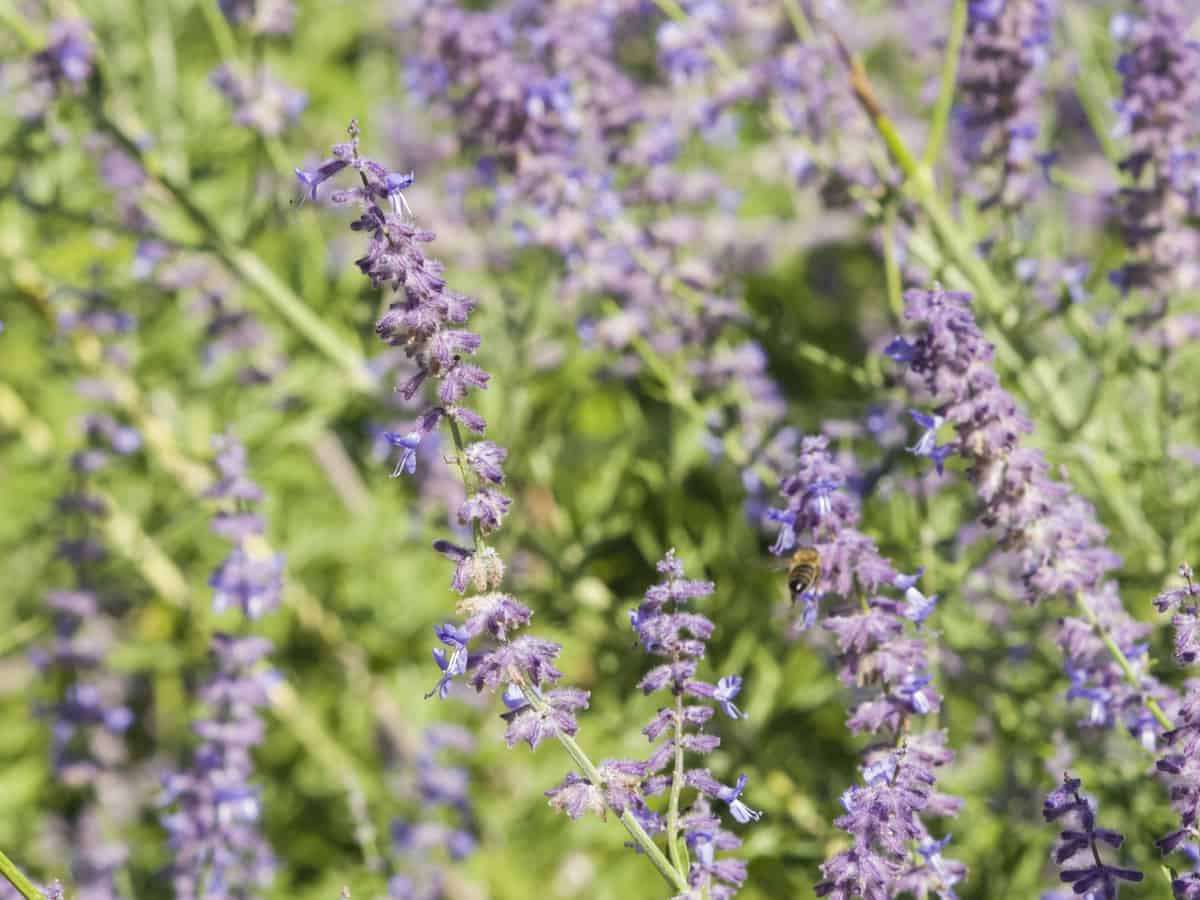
(30, 36)
(800, 23)
(1122, 660)
(646, 843)
(891, 265)
(250, 267)
(676, 790)
(17, 879)
(920, 187)
(945, 100)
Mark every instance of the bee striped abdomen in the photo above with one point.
(804, 571)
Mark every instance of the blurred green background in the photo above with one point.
(606, 474)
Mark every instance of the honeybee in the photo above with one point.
(804, 569)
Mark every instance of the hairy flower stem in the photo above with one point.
(1123, 662)
(636, 831)
(645, 843)
(249, 266)
(17, 879)
(676, 787)
(945, 100)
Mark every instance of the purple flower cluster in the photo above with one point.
(260, 101)
(1079, 847)
(249, 578)
(883, 658)
(88, 711)
(1180, 761)
(212, 809)
(1052, 532)
(1000, 81)
(1159, 112)
(61, 68)
(265, 17)
(424, 323)
(539, 92)
(446, 822)
(666, 629)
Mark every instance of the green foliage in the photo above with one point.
(606, 474)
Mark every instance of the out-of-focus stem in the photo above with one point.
(800, 23)
(17, 879)
(945, 100)
(29, 35)
(250, 267)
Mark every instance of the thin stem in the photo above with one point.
(945, 100)
(1123, 662)
(891, 265)
(250, 267)
(29, 35)
(800, 23)
(646, 843)
(919, 184)
(17, 879)
(676, 789)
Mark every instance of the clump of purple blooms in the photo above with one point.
(667, 629)
(1158, 114)
(1180, 761)
(1001, 85)
(882, 656)
(1054, 534)
(445, 823)
(1078, 848)
(212, 809)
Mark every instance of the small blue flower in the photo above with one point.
(900, 350)
(728, 688)
(786, 539)
(408, 459)
(883, 770)
(926, 444)
(817, 496)
(455, 663)
(739, 810)
(913, 690)
(917, 607)
(396, 182)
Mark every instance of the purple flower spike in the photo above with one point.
(1059, 544)
(1090, 875)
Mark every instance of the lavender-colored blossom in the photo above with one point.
(61, 68)
(927, 444)
(886, 661)
(1000, 81)
(1055, 535)
(211, 809)
(260, 101)
(667, 629)
(442, 830)
(267, 17)
(1158, 113)
(1078, 850)
(248, 578)
(1180, 761)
